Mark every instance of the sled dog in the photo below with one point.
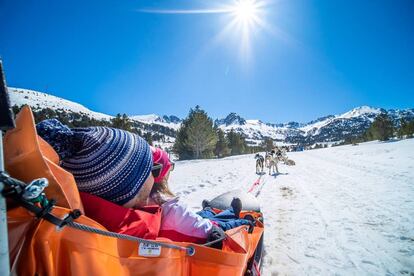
(267, 159)
(273, 163)
(259, 163)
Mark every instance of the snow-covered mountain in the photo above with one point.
(161, 128)
(364, 112)
(256, 130)
(39, 100)
(351, 123)
(325, 129)
(168, 121)
(231, 120)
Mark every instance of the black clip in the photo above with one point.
(70, 217)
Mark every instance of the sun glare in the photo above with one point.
(245, 10)
(245, 19)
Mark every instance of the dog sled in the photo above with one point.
(49, 235)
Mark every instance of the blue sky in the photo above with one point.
(313, 58)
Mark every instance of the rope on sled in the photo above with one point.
(190, 250)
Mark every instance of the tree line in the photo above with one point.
(383, 129)
(198, 137)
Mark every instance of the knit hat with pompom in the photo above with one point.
(107, 162)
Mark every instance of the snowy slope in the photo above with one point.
(256, 130)
(345, 210)
(365, 112)
(326, 129)
(39, 100)
(155, 119)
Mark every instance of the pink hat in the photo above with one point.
(161, 157)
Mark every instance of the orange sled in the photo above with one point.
(56, 239)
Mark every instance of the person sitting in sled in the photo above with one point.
(180, 223)
(114, 172)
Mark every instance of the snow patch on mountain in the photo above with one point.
(39, 100)
(231, 119)
(361, 111)
(167, 121)
(257, 130)
(365, 112)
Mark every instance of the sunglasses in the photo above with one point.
(156, 169)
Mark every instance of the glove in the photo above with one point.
(216, 233)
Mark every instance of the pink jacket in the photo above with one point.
(179, 223)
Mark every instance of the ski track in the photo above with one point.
(340, 211)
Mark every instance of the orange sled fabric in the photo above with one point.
(37, 247)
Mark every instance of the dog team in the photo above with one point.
(271, 159)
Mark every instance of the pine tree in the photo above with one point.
(148, 137)
(180, 148)
(237, 143)
(222, 148)
(122, 122)
(382, 128)
(196, 138)
(201, 137)
(403, 128)
(409, 131)
(406, 128)
(267, 144)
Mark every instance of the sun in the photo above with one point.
(245, 10)
(244, 20)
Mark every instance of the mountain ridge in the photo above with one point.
(328, 128)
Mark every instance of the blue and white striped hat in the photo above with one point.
(107, 162)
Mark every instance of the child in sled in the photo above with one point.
(114, 172)
(179, 222)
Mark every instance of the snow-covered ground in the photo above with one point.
(340, 211)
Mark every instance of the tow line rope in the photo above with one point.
(16, 190)
(256, 183)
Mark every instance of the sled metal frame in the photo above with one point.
(6, 123)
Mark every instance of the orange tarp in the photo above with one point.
(38, 247)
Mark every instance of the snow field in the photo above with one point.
(345, 210)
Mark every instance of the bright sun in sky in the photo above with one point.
(245, 17)
(245, 10)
